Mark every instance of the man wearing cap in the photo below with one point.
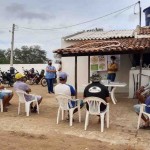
(66, 89)
(20, 85)
(96, 89)
(50, 76)
(5, 97)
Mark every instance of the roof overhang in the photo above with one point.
(107, 47)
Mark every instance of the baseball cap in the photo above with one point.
(19, 76)
(63, 75)
(95, 77)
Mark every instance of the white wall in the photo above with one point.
(18, 67)
(68, 66)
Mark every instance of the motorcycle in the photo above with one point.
(29, 74)
(7, 78)
(37, 78)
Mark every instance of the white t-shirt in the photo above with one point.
(63, 89)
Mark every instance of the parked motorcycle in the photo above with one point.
(37, 78)
(29, 74)
(7, 78)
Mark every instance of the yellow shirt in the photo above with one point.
(112, 68)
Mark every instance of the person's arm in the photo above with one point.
(113, 67)
(107, 99)
(72, 90)
(50, 70)
(27, 88)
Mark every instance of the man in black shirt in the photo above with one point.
(97, 89)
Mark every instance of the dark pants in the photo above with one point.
(50, 85)
(111, 77)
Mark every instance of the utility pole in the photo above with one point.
(141, 54)
(140, 11)
(12, 48)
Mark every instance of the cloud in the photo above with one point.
(20, 11)
(2, 32)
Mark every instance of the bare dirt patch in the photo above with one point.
(40, 132)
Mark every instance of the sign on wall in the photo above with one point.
(98, 63)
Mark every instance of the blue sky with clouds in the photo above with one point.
(58, 13)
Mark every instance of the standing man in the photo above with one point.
(50, 76)
(96, 89)
(112, 69)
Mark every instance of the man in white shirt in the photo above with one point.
(66, 89)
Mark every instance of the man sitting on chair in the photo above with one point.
(143, 95)
(20, 85)
(96, 89)
(5, 97)
(66, 89)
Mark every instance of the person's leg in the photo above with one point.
(48, 85)
(81, 105)
(39, 101)
(10, 95)
(5, 102)
(109, 76)
(51, 85)
(113, 76)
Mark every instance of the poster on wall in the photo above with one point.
(98, 63)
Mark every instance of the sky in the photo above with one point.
(48, 14)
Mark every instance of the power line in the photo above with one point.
(123, 9)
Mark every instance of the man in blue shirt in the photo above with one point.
(50, 76)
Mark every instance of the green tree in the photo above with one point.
(3, 58)
(29, 55)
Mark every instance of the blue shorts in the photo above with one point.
(73, 104)
(2, 95)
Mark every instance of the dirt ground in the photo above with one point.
(40, 132)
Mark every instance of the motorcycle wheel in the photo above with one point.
(43, 82)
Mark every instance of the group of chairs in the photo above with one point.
(63, 100)
(94, 109)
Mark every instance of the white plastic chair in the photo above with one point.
(22, 99)
(94, 109)
(63, 105)
(1, 102)
(142, 111)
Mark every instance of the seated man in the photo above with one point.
(96, 89)
(20, 85)
(143, 95)
(66, 89)
(5, 97)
